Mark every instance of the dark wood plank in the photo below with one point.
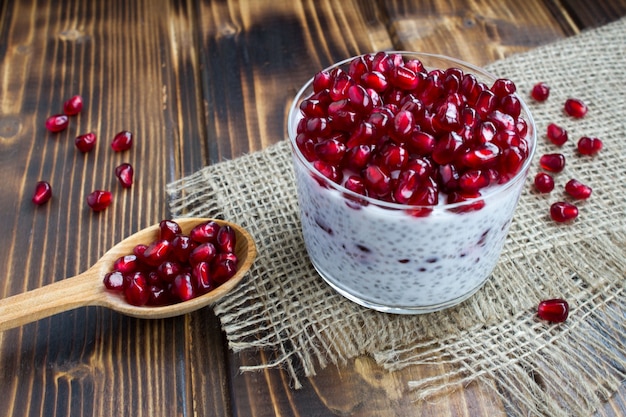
(135, 64)
(591, 14)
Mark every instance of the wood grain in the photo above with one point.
(197, 81)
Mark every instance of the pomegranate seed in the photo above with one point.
(201, 274)
(503, 87)
(157, 252)
(404, 78)
(360, 99)
(553, 162)
(556, 134)
(202, 253)
(182, 245)
(331, 151)
(448, 116)
(589, 146)
(481, 157)
(465, 196)
(511, 105)
(377, 180)
(205, 232)
(42, 193)
(169, 229)
(577, 189)
(57, 123)
(182, 287)
(139, 250)
(322, 81)
(340, 86)
(540, 91)
(473, 180)
(358, 157)
(99, 200)
(114, 281)
(562, 211)
(447, 147)
(575, 108)
(158, 296)
(137, 292)
(126, 264)
(421, 143)
(168, 270)
(226, 239)
(394, 157)
(329, 171)
(375, 80)
(224, 268)
(124, 173)
(355, 184)
(122, 141)
(86, 142)
(486, 103)
(358, 67)
(544, 183)
(73, 106)
(555, 310)
(403, 124)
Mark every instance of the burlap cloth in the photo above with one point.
(537, 368)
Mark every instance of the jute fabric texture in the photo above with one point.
(537, 368)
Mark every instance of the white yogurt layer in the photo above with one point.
(391, 261)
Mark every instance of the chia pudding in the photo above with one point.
(397, 256)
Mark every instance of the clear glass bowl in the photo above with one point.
(378, 254)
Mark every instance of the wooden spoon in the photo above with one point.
(87, 288)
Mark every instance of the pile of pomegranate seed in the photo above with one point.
(98, 200)
(175, 267)
(387, 128)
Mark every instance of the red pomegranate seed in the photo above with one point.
(57, 123)
(355, 184)
(201, 274)
(126, 264)
(114, 281)
(575, 108)
(137, 292)
(202, 253)
(556, 134)
(404, 78)
(446, 149)
(139, 250)
(503, 87)
(555, 310)
(473, 180)
(124, 173)
(168, 270)
(329, 171)
(169, 229)
(544, 183)
(205, 232)
(421, 143)
(394, 157)
(577, 189)
(42, 193)
(226, 239)
(157, 252)
(486, 103)
(158, 296)
(403, 124)
(466, 196)
(360, 99)
(331, 151)
(540, 91)
(358, 157)
(182, 287)
(73, 106)
(322, 81)
(223, 269)
(511, 105)
(375, 80)
(377, 180)
(99, 200)
(553, 162)
(86, 142)
(562, 211)
(182, 245)
(589, 146)
(481, 157)
(122, 141)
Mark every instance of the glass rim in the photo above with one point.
(294, 110)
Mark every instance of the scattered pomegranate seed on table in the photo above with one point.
(575, 108)
(175, 267)
(544, 183)
(73, 106)
(540, 91)
(577, 190)
(99, 200)
(555, 310)
(553, 162)
(57, 123)
(589, 146)
(563, 211)
(124, 173)
(43, 193)
(122, 141)
(86, 142)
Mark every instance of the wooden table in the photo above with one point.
(196, 82)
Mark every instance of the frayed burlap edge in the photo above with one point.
(536, 367)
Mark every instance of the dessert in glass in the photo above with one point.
(408, 168)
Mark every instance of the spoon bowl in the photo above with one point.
(87, 288)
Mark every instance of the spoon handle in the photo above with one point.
(49, 300)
